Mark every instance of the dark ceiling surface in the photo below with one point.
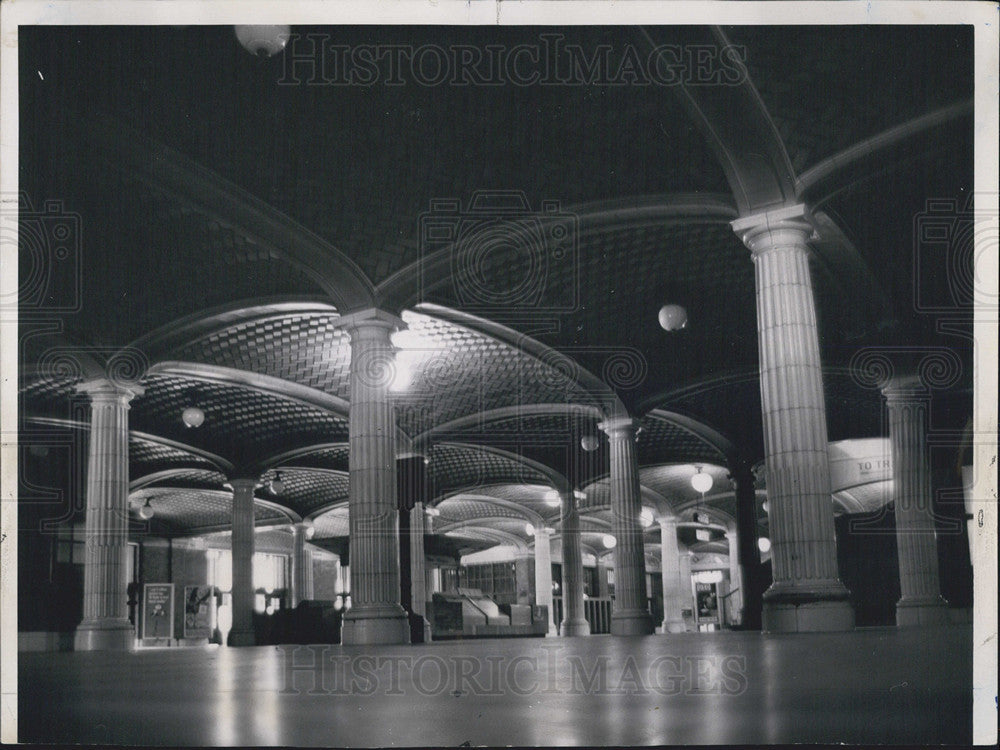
(216, 199)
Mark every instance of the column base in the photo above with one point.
(922, 612)
(674, 626)
(820, 607)
(632, 622)
(241, 638)
(375, 625)
(104, 635)
(571, 628)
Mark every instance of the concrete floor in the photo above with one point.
(868, 686)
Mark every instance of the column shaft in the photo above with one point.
(574, 621)
(299, 564)
(920, 600)
(734, 601)
(630, 615)
(807, 594)
(543, 574)
(673, 622)
(375, 615)
(105, 622)
(242, 631)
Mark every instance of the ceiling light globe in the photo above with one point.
(673, 317)
(263, 41)
(589, 443)
(609, 541)
(702, 482)
(193, 416)
(764, 544)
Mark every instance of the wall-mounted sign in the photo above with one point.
(158, 610)
(198, 611)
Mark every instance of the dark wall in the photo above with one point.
(866, 556)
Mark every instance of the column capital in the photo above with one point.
(371, 317)
(789, 225)
(104, 390)
(620, 427)
(243, 484)
(668, 521)
(906, 389)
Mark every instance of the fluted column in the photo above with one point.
(376, 615)
(543, 573)
(105, 622)
(673, 622)
(806, 594)
(242, 632)
(300, 563)
(734, 601)
(629, 615)
(920, 601)
(574, 621)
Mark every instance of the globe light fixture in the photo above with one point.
(552, 499)
(277, 486)
(766, 506)
(673, 317)
(529, 529)
(764, 544)
(609, 541)
(646, 518)
(263, 41)
(193, 416)
(146, 511)
(590, 443)
(310, 529)
(701, 481)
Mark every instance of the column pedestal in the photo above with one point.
(574, 621)
(807, 594)
(105, 624)
(375, 616)
(920, 602)
(629, 615)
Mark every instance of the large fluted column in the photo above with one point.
(376, 615)
(806, 594)
(629, 615)
(673, 622)
(920, 600)
(300, 563)
(574, 621)
(105, 622)
(242, 632)
(543, 573)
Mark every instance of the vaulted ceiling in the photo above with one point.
(223, 216)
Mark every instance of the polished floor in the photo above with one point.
(868, 686)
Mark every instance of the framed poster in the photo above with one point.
(158, 610)
(198, 611)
